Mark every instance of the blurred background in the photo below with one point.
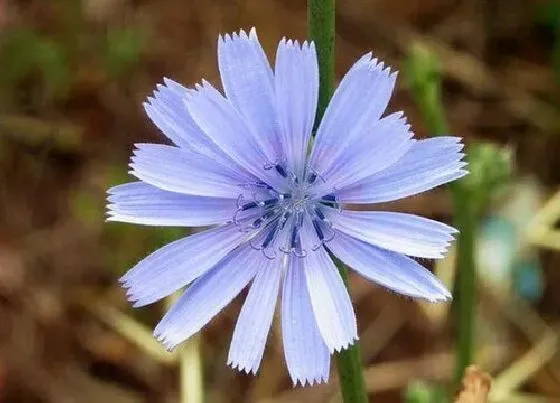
(73, 75)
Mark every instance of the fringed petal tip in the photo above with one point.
(309, 381)
(166, 341)
(445, 297)
(239, 35)
(294, 44)
(373, 64)
(343, 346)
(247, 369)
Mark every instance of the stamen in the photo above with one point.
(319, 212)
(257, 185)
(248, 206)
(330, 198)
(267, 203)
(271, 235)
(280, 169)
(318, 230)
(311, 178)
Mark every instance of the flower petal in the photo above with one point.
(179, 263)
(221, 122)
(248, 83)
(140, 203)
(379, 147)
(427, 164)
(169, 113)
(389, 269)
(182, 171)
(330, 300)
(207, 296)
(358, 102)
(307, 355)
(399, 232)
(297, 87)
(249, 338)
(329, 297)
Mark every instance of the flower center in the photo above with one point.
(277, 221)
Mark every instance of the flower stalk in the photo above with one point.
(321, 30)
(425, 82)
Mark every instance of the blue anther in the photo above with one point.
(270, 236)
(318, 230)
(294, 238)
(248, 206)
(312, 177)
(280, 169)
(263, 185)
(319, 212)
(268, 202)
(331, 198)
(299, 219)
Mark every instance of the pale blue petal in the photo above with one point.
(208, 295)
(169, 113)
(389, 269)
(330, 300)
(248, 83)
(358, 102)
(183, 171)
(307, 356)
(221, 122)
(399, 232)
(428, 163)
(297, 88)
(179, 263)
(379, 147)
(251, 332)
(140, 203)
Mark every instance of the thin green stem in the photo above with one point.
(320, 23)
(320, 19)
(349, 362)
(425, 82)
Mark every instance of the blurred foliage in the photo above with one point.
(422, 392)
(548, 14)
(490, 168)
(24, 54)
(122, 50)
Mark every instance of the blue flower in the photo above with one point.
(240, 163)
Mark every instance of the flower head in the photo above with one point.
(240, 163)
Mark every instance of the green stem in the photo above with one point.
(320, 19)
(349, 362)
(320, 23)
(425, 82)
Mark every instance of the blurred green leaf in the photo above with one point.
(490, 168)
(52, 61)
(24, 53)
(421, 392)
(123, 49)
(548, 13)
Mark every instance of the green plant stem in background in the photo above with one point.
(349, 363)
(425, 82)
(320, 20)
(320, 23)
